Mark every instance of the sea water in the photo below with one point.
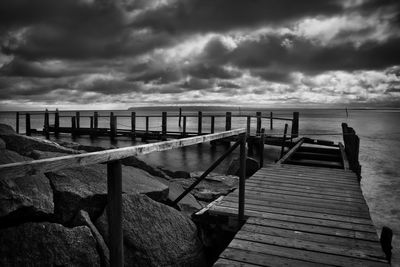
(378, 129)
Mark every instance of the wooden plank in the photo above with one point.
(291, 151)
(331, 227)
(301, 206)
(339, 175)
(329, 179)
(308, 245)
(302, 199)
(53, 164)
(317, 156)
(317, 163)
(228, 262)
(309, 169)
(307, 188)
(319, 150)
(369, 247)
(300, 254)
(292, 192)
(260, 259)
(280, 209)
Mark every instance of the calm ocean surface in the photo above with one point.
(379, 132)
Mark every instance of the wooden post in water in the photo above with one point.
(242, 179)
(164, 126)
(212, 124)
(91, 122)
(114, 213)
(133, 125)
(228, 121)
(78, 119)
(262, 142)
(258, 129)
(248, 125)
(284, 140)
(113, 126)
(180, 117)
(28, 124)
(295, 125)
(17, 122)
(271, 121)
(199, 122)
(147, 128)
(46, 124)
(95, 122)
(184, 126)
(73, 126)
(57, 123)
(352, 148)
(386, 242)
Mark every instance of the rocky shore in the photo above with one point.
(59, 218)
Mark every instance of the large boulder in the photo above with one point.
(23, 198)
(2, 144)
(212, 187)
(86, 188)
(252, 166)
(47, 244)
(156, 234)
(26, 144)
(188, 205)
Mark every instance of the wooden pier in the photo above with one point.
(305, 210)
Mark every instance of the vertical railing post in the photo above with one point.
(248, 125)
(73, 126)
(17, 122)
(46, 124)
(114, 213)
(133, 125)
(180, 117)
(56, 123)
(212, 124)
(295, 125)
(242, 178)
(258, 129)
(78, 119)
(164, 126)
(28, 124)
(271, 120)
(199, 122)
(113, 126)
(184, 126)
(228, 121)
(284, 140)
(262, 142)
(95, 122)
(147, 125)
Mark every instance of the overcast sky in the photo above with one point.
(118, 54)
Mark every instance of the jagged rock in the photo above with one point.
(2, 144)
(137, 163)
(252, 166)
(23, 198)
(213, 186)
(26, 144)
(176, 174)
(156, 234)
(86, 188)
(47, 244)
(188, 205)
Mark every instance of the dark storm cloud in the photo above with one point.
(20, 67)
(221, 15)
(227, 84)
(205, 71)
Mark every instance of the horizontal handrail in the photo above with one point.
(53, 164)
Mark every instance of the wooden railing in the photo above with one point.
(114, 176)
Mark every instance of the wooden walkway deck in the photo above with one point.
(302, 216)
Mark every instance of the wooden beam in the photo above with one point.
(199, 122)
(258, 129)
(133, 125)
(57, 124)
(291, 152)
(28, 130)
(164, 125)
(262, 142)
(114, 213)
(53, 164)
(212, 124)
(295, 125)
(248, 125)
(17, 122)
(46, 124)
(78, 119)
(242, 179)
(271, 121)
(284, 140)
(228, 121)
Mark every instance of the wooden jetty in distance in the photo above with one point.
(253, 123)
(305, 210)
